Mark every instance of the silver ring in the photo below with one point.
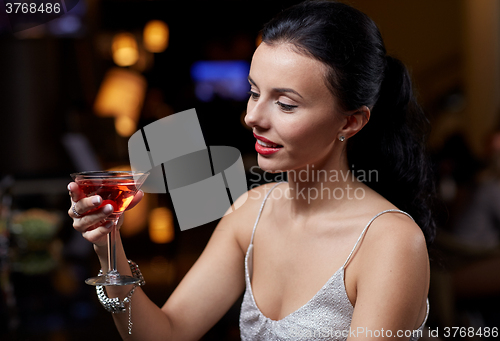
(74, 211)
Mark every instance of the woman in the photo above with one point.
(323, 256)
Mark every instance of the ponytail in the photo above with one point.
(359, 73)
(393, 145)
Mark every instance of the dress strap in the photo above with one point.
(366, 228)
(261, 208)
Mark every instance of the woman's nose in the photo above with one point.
(254, 116)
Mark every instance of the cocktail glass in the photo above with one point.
(116, 188)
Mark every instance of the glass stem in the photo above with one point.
(112, 271)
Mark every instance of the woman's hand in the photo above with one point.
(90, 218)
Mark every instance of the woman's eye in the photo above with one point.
(286, 107)
(254, 95)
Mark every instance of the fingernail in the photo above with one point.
(96, 201)
(108, 224)
(107, 209)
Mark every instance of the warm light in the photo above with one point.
(155, 36)
(161, 225)
(258, 40)
(124, 48)
(125, 126)
(120, 168)
(121, 95)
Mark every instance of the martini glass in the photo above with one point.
(117, 189)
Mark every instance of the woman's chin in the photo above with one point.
(270, 166)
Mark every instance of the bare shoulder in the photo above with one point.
(396, 234)
(241, 216)
(394, 258)
(391, 274)
(392, 232)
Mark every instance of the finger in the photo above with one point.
(97, 234)
(84, 206)
(137, 198)
(81, 224)
(74, 192)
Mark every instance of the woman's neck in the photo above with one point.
(313, 189)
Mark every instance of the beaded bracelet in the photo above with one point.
(115, 305)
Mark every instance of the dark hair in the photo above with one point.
(360, 73)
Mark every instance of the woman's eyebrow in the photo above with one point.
(276, 89)
(251, 81)
(287, 90)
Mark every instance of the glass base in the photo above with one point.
(112, 280)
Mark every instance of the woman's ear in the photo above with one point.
(355, 121)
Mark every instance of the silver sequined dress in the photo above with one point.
(327, 316)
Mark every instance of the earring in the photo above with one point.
(341, 138)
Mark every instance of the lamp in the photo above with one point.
(161, 225)
(155, 36)
(125, 52)
(121, 95)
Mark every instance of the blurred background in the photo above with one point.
(74, 89)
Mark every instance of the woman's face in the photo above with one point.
(291, 111)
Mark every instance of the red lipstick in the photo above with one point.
(264, 146)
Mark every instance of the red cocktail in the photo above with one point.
(117, 193)
(118, 190)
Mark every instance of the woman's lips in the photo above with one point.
(265, 150)
(264, 146)
(266, 141)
